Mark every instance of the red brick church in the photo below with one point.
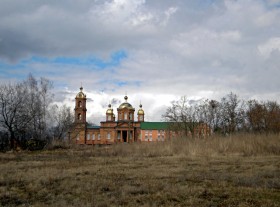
(123, 128)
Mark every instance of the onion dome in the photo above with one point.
(109, 110)
(81, 94)
(126, 104)
(140, 111)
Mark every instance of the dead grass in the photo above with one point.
(231, 171)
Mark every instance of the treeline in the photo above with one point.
(28, 116)
(228, 115)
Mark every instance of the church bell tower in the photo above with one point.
(80, 107)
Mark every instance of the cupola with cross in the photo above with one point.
(140, 114)
(125, 111)
(110, 116)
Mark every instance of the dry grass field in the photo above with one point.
(218, 171)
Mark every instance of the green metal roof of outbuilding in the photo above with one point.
(154, 125)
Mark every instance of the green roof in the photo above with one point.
(166, 125)
(154, 125)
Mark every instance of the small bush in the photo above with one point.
(35, 144)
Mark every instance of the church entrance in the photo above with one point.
(124, 136)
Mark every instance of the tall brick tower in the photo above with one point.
(80, 107)
(79, 133)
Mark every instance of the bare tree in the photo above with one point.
(215, 115)
(263, 117)
(183, 116)
(272, 117)
(37, 102)
(232, 113)
(13, 115)
(256, 116)
(63, 119)
(23, 107)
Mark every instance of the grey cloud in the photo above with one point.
(203, 47)
(14, 44)
(115, 102)
(62, 28)
(66, 27)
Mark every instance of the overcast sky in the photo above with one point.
(153, 50)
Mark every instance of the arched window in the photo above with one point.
(80, 104)
(120, 116)
(125, 116)
(79, 116)
(78, 137)
(108, 135)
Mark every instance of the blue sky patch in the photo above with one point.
(114, 60)
(126, 83)
(121, 83)
(56, 67)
